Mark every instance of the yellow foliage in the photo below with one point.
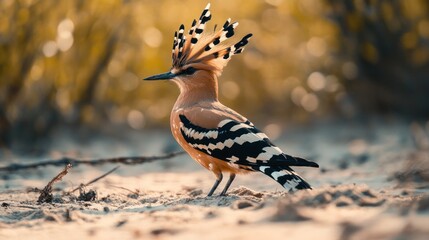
(85, 59)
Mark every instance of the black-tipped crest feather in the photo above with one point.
(201, 47)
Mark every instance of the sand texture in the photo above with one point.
(373, 184)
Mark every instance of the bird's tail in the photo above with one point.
(288, 178)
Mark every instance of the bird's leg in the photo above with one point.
(230, 180)
(218, 180)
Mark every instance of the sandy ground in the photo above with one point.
(373, 184)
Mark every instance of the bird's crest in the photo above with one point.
(209, 48)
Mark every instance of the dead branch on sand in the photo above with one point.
(46, 193)
(93, 180)
(136, 192)
(75, 162)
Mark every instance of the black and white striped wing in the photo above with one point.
(236, 142)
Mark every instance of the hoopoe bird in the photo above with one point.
(217, 137)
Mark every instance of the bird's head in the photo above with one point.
(198, 55)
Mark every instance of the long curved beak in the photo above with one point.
(162, 76)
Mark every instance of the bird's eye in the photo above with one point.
(189, 71)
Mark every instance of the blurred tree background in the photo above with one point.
(80, 64)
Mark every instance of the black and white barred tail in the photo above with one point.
(286, 177)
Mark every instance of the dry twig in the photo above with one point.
(75, 162)
(137, 192)
(93, 180)
(133, 194)
(46, 193)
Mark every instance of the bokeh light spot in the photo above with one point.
(64, 43)
(65, 35)
(66, 26)
(297, 94)
(114, 68)
(129, 81)
(310, 102)
(316, 46)
(50, 48)
(230, 90)
(136, 119)
(152, 37)
(316, 81)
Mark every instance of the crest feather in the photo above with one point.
(209, 48)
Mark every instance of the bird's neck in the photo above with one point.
(196, 91)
